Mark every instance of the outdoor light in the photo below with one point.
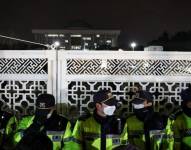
(133, 45)
(55, 45)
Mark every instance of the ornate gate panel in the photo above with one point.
(82, 73)
(74, 76)
(23, 76)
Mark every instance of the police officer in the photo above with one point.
(47, 121)
(147, 129)
(101, 130)
(8, 123)
(182, 123)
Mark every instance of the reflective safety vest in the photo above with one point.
(159, 139)
(59, 138)
(87, 135)
(23, 124)
(11, 125)
(182, 132)
(7, 128)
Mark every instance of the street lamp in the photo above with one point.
(55, 45)
(133, 45)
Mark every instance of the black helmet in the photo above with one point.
(45, 101)
(141, 96)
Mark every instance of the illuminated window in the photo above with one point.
(95, 45)
(61, 35)
(98, 35)
(108, 41)
(87, 38)
(76, 35)
(63, 47)
(52, 35)
(66, 41)
(76, 47)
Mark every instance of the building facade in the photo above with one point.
(78, 39)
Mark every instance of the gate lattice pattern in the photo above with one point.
(23, 78)
(74, 76)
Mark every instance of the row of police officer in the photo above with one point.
(102, 130)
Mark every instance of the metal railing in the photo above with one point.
(74, 76)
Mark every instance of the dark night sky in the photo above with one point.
(142, 20)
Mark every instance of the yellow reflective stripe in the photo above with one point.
(96, 135)
(68, 132)
(157, 132)
(11, 125)
(160, 134)
(18, 136)
(164, 136)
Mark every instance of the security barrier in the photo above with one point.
(74, 76)
(24, 75)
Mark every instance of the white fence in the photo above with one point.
(23, 75)
(74, 76)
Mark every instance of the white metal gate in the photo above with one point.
(74, 76)
(82, 73)
(24, 75)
